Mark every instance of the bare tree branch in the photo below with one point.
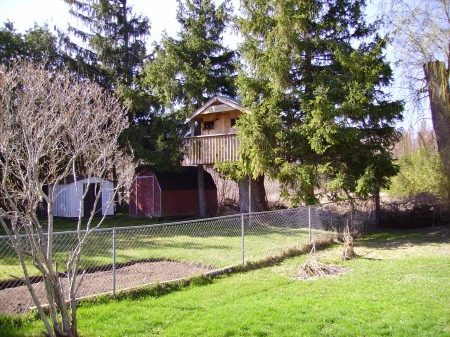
(52, 127)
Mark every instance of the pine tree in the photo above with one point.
(37, 44)
(180, 76)
(114, 42)
(312, 76)
(112, 53)
(186, 71)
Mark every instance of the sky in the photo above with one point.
(162, 15)
(24, 13)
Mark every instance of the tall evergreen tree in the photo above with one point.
(186, 71)
(113, 47)
(180, 76)
(37, 44)
(112, 52)
(313, 73)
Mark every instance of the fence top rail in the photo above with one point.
(177, 223)
(110, 229)
(306, 206)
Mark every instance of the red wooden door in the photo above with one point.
(145, 201)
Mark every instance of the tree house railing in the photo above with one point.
(210, 149)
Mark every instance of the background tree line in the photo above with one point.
(313, 74)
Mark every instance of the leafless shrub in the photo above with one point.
(51, 128)
(315, 270)
(312, 268)
(348, 252)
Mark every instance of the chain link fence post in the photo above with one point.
(309, 224)
(114, 262)
(242, 237)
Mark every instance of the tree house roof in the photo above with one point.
(216, 104)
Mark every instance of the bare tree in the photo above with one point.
(51, 128)
(421, 31)
(437, 73)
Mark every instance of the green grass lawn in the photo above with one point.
(98, 250)
(398, 287)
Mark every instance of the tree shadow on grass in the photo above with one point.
(398, 239)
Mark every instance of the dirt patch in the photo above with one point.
(18, 299)
(312, 271)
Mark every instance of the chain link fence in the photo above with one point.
(119, 258)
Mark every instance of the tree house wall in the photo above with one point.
(207, 145)
(222, 122)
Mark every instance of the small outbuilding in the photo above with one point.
(162, 194)
(69, 197)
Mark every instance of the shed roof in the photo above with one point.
(184, 178)
(71, 179)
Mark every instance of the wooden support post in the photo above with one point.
(201, 191)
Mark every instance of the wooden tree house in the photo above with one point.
(213, 132)
(212, 138)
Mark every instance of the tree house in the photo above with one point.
(213, 132)
(213, 139)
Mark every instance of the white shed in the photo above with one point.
(69, 197)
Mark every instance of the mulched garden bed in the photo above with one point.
(133, 274)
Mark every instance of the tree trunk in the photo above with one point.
(118, 206)
(201, 191)
(377, 207)
(437, 81)
(258, 195)
(126, 38)
(307, 71)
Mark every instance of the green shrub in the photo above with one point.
(420, 172)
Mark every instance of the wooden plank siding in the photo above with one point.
(209, 149)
